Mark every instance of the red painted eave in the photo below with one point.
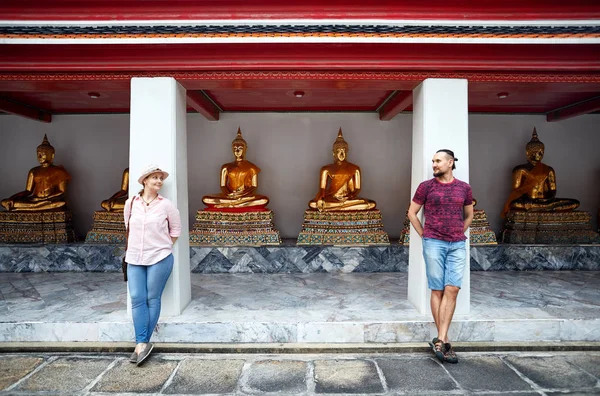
(295, 56)
(80, 10)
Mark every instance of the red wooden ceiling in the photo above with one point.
(335, 77)
(523, 97)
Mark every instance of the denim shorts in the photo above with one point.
(444, 262)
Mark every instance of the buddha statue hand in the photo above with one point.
(321, 205)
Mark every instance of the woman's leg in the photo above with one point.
(158, 274)
(138, 292)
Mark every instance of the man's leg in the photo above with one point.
(446, 311)
(434, 253)
(436, 301)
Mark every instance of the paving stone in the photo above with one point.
(346, 376)
(199, 376)
(68, 374)
(276, 376)
(590, 363)
(13, 368)
(404, 375)
(552, 372)
(127, 377)
(486, 374)
(512, 394)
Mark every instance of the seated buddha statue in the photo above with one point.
(339, 183)
(239, 181)
(116, 202)
(534, 184)
(46, 184)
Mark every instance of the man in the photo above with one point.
(448, 214)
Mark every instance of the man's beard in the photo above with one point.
(438, 173)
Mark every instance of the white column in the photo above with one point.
(158, 136)
(440, 121)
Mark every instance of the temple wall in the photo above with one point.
(291, 148)
(497, 145)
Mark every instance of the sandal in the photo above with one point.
(437, 347)
(449, 355)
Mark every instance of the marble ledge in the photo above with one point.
(289, 258)
(556, 330)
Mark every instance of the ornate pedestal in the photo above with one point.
(234, 228)
(549, 228)
(363, 227)
(108, 227)
(36, 227)
(405, 233)
(481, 232)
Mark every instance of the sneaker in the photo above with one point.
(449, 355)
(145, 353)
(133, 357)
(437, 347)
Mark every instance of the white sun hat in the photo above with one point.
(150, 169)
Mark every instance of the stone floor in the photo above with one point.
(506, 306)
(507, 373)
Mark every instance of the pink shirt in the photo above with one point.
(443, 205)
(150, 230)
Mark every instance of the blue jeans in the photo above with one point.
(146, 284)
(444, 262)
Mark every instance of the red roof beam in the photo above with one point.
(203, 105)
(393, 107)
(574, 110)
(23, 110)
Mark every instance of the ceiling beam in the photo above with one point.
(574, 110)
(24, 110)
(200, 102)
(398, 103)
(92, 59)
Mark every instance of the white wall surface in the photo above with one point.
(497, 145)
(291, 148)
(94, 149)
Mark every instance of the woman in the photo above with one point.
(154, 224)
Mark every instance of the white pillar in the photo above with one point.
(440, 121)
(158, 136)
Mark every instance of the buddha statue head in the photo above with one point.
(340, 147)
(45, 152)
(239, 146)
(534, 149)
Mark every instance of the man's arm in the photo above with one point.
(468, 211)
(414, 220)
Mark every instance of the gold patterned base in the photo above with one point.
(364, 227)
(480, 232)
(37, 227)
(549, 228)
(108, 227)
(220, 228)
(405, 233)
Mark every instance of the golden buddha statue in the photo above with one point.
(46, 184)
(116, 203)
(239, 181)
(339, 183)
(534, 184)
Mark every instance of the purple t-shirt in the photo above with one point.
(443, 208)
